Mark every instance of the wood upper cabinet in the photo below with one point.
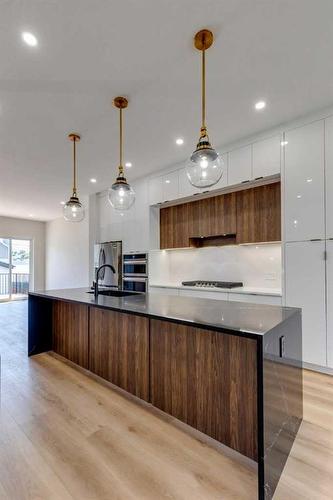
(259, 214)
(70, 331)
(208, 217)
(208, 380)
(119, 350)
(252, 216)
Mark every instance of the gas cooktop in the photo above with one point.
(217, 284)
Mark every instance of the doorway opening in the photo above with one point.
(15, 268)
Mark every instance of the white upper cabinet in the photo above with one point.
(185, 187)
(155, 190)
(266, 157)
(304, 183)
(329, 270)
(305, 288)
(329, 176)
(240, 165)
(170, 186)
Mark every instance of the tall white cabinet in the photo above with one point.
(329, 175)
(308, 233)
(329, 281)
(304, 183)
(305, 288)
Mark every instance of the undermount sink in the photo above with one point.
(115, 293)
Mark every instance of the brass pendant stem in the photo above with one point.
(74, 138)
(74, 167)
(121, 169)
(203, 97)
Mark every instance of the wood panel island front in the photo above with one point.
(229, 369)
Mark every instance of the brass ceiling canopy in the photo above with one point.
(203, 39)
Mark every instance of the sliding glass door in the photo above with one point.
(14, 268)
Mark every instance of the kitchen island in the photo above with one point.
(229, 369)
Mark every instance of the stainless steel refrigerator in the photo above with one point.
(108, 253)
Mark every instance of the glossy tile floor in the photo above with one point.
(65, 436)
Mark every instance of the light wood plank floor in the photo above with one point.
(63, 435)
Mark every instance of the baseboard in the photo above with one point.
(318, 368)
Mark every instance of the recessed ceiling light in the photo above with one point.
(29, 39)
(299, 196)
(260, 105)
(308, 180)
(128, 164)
(167, 181)
(93, 180)
(31, 215)
(179, 141)
(62, 203)
(284, 143)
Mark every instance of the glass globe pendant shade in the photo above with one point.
(73, 210)
(205, 166)
(121, 195)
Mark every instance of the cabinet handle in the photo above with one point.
(257, 178)
(204, 192)
(316, 239)
(243, 182)
(196, 194)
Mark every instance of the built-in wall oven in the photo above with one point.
(135, 272)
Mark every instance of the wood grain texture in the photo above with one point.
(70, 331)
(208, 380)
(119, 350)
(66, 436)
(253, 214)
(259, 214)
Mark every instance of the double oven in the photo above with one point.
(135, 272)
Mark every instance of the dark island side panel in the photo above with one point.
(70, 331)
(208, 380)
(119, 350)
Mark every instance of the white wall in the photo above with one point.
(257, 266)
(67, 254)
(30, 230)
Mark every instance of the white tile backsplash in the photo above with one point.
(254, 265)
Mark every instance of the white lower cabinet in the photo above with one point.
(256, 298)
(163, 290)
(329, 281)
(204, 294)
(305, 288)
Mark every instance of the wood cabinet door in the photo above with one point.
(119, 350)
(70, 331)
(259, 214)
(208, 380)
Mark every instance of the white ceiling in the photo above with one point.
(92, 50)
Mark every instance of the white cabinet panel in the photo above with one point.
(240, 165)
(203, 294)
(185, 187)
(329, 268)
(329, 175)
(163, 290)
(223, 182)
(256, 299)
(155, 190)
(305, 288)
(170, 183)
(266, 156)
(304, 183)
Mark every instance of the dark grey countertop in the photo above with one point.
(249, 319)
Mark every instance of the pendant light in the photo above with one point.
(73, 209)
(205, 166)
(121, 195)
